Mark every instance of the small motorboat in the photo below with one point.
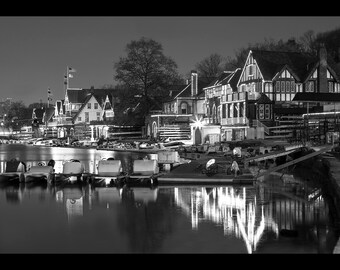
(110, 171)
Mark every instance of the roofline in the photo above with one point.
(243, 69)
(182, 90)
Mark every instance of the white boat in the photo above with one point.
(39, 173)
(109, 171)
(143, 170)
(73, 170)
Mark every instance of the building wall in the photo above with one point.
(91, 112)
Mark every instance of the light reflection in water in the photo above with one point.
(243, 216)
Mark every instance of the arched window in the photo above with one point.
(184, 108)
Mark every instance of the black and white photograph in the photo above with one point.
(170, 135)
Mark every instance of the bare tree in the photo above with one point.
(211, 66)
(308, 42)
(146, 70)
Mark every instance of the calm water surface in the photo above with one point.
(274, 215)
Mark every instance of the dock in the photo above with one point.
(270, 155)
(295, 161)
(192, 173)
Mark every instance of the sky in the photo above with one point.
(36, 51)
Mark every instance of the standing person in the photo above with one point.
(235, 168)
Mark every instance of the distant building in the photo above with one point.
(184, 104)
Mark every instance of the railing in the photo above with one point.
(234, 121)
(257, 123)
(175, 132)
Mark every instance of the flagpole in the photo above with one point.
(67, 85)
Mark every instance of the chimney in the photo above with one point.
(193, 83)
(322, 76)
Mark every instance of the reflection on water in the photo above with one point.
(275, 215)
(249, 213)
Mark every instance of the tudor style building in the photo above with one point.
(221, 111)
(271, 79)
(253, 102)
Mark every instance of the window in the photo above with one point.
(98, 116)
(330, 87)
(87, 117)
(283, 87)
(287, 86)
(229, 110)
(79, 118)
(89, 105)
(235, 110)
(277, 86)
(224, 113)
(241, 109)
(184, 108)
(266, 88)
(267, 111)
(251, 70)
(96, 106)
(261, 111)
(310, 86)
(292, 86)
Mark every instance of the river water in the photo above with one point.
(274, 215)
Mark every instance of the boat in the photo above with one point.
(73, 170)
(110, 172)
(14, 171)
(144, 171)
(40, 172)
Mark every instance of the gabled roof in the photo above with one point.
(272, 62)
(223, 79)
(79, 96)
(88, 97)
(76, 96)
(60, 106)
(49, 113)
(263, 99)
(202, 82)
(235, 78)
(227, 77)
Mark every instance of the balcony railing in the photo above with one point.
(235, 121)
(239, 96)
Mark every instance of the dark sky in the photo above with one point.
(35, 51)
